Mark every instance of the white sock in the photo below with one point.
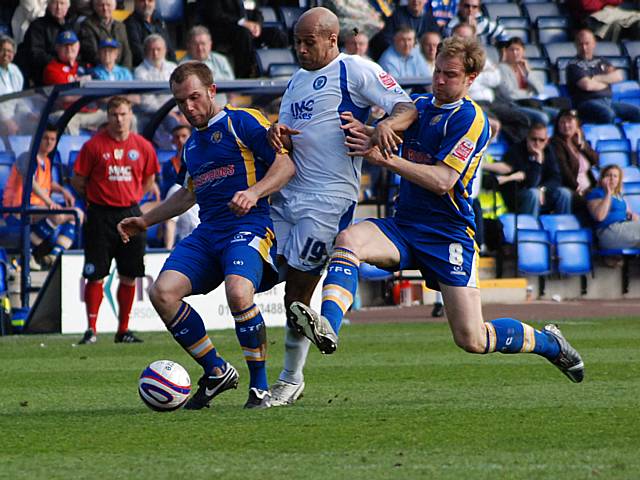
(439, 298)
(295, 355)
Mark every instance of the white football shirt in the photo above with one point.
(312, 103)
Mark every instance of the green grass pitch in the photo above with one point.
(395, 401)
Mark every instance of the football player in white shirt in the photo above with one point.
(322, 98)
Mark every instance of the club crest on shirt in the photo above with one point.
(387, 80)
(216, 136)
(435, 119)
(319, 82)
(463, 149)
(133, 155)
(118, 153)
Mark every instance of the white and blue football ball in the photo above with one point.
(164, 386)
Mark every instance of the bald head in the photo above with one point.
(316, 38)
(319, 19)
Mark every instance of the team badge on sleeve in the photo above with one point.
(463, 149)
(387, 80)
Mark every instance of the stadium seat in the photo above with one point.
(154, 236)
(550, 91)
(535, 10)
(621, 62)
(5, 171)
(67, 143)
(270, 18)
(557, 50)
(525, 221)
(632, 49)
(622, 91)
(266, 57)
(497, 10)
(282, 69)
(516, 27)
(614, 152)
(170, 10)
(165, 155)
(20, 144)
(631, 174)
(631, 193)
(497, 150)
(7, 158)
(289, 16)
(552, 29)
(594, 132)
(531, 51)
(555, 223)
(534, 253)
(608, 49)
(573, 250)
(492, 54)
(632, 132)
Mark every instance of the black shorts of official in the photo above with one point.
(103, 244)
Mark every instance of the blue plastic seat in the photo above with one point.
(631, 193)
(170, 10)
(614, 152)
(632, 132)
(573, 249)
(67, 143)
(497, 10)
(552, 29)
(535, 10)
(557, 50)
(621, 91)
(290, 15)
(497, 150)
(559, 222)
(165, 155)
(630, 174)
(270, 17)
(525, 221)
(534, 253)
(20, 144)
(594, 132)
(266, 57)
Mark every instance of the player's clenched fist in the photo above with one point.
(130, 227)
(242, 202)
(278, 136)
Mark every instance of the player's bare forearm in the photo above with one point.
(175, 205)
(79, 184)
(278, 175)
(148, 183)
(438, 178)
(402, 116)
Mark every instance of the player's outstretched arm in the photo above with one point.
(280, 172)
(279, 136)
(176, 204)
(401, 117)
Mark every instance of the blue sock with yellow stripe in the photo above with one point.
(252, 335)
(507, 335)
(188, 329)
(340, 286)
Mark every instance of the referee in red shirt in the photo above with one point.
(113, 172)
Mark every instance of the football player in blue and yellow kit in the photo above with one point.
(433, 228)
(229, 169)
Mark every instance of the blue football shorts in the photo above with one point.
(441, 257)
(207, 256)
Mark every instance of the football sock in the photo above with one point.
(66, 236)
(43, 229)
(92, 300)
(125, 296)
(188, 330)
(295, 353)
(252, 335)
(340, 286)
(507, 335)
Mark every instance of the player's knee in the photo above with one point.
(161, 296)
(239, 293)
(469, 343)
(347, 239)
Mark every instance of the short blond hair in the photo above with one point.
(468, 50)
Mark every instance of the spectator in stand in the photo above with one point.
(199, 48)
(240, 32)
(11, 81)
(51, 234)
(107, 69)
(576, 158)
(169, 173)
(514, 124)
(615, 224)
(607, 19)
(66, 69)
(429, 42)
(518, 86)
(144, 21)
(26, 12)
(487, 30)
(39, 45)
(113, 171)
(178, 227)
(443, 11)
(589, 80)
(156, 68)
(99, 26)
(356, 15)
(403, 59)
(411, 15)
(535, 183)
(356, 43)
